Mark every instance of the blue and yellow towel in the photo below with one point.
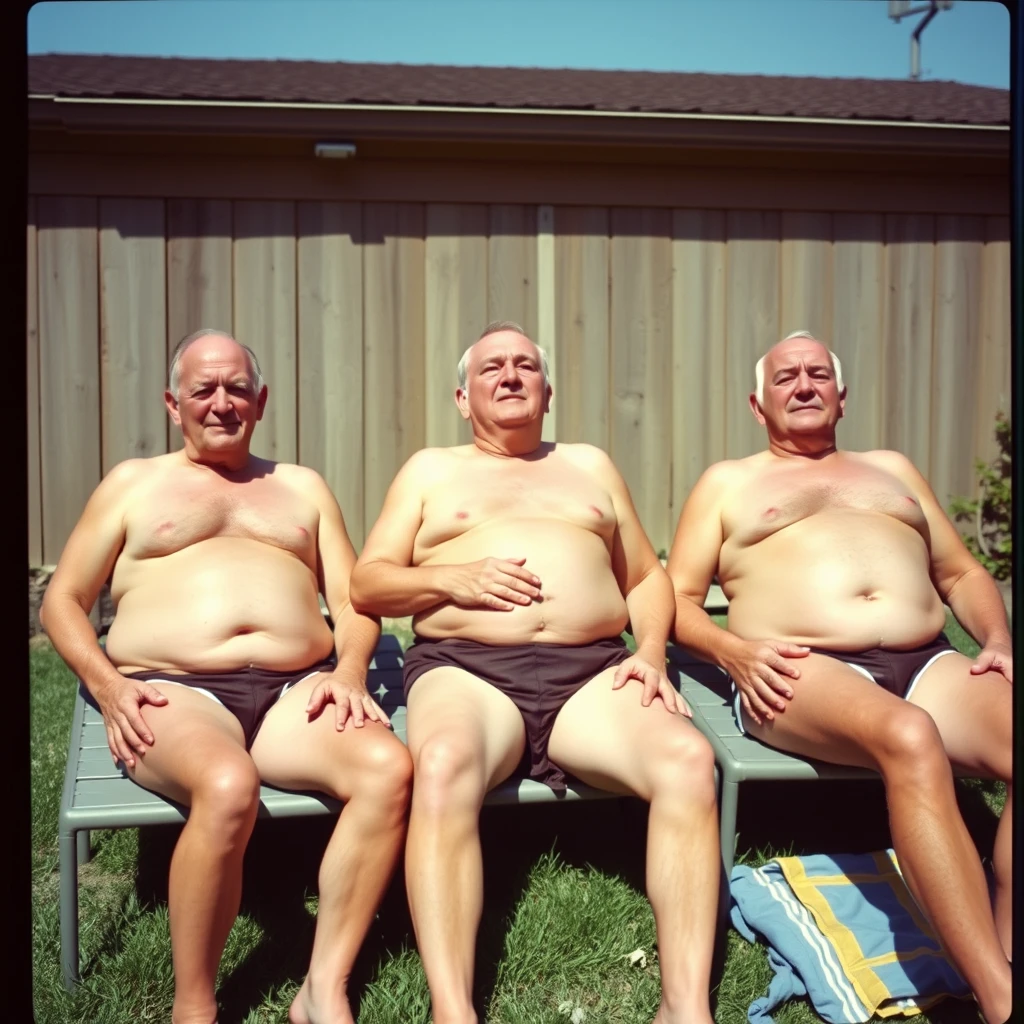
(845, 932)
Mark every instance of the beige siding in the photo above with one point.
(69, 364)
(359, 311)
(133, 319)
(330, 352)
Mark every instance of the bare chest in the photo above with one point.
(475, 498)
(178, 513)
(775, 500)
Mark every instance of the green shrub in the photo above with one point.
(989, 532)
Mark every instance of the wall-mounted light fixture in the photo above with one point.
(335, 150)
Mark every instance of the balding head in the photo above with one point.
(174, 369)
(496, 327)
(763, 362)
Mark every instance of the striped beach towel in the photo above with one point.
(845, 932)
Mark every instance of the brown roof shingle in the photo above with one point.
(291, 81)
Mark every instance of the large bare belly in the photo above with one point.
(842, 580)
(217, 606)
(581, 600)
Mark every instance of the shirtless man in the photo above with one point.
(522, 562)
(220, 669)
(836, 565)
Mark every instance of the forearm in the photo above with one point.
(382, 588)
(978, 606)
(650, 614)
(73, 637)
(355, 639)
(695, 630)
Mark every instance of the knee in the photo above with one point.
(683, 765)
(228, 796)
(383, 772)
(909, 741)
(447, 774)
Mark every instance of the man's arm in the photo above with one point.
(961, 580)
(646, 589)
(85, 564)
(385, 582)
(355, 635)
(757, 666)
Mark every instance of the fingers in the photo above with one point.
(515, 595)
(758, 704)
(349, 704)
(495, 602)
(530, 582)
(668, 694)
(749, 708)
(983, 663)
(375, 711)
(622, 674)
(651, 683)
(134, 729)
(778, 687)
(789, 650)
(682, 707)
(119, 750)
(317, 700)
(780, 664)
(152, 696)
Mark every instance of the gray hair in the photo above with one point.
(493, 328)
(174, 370)
(759, 365)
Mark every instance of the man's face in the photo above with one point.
(216, 407)
(504, 382)
(801, 395)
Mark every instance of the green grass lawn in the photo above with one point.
(564, 902)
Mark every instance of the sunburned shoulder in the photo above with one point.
(586, 456)
(891, 461)
(722, 476)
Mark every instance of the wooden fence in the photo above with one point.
(359, 312)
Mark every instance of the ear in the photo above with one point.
(261, 402)
(547, 399)
(842, 403)
(172, 408)
(756, 409)
(462, 401)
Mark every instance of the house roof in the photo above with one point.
(405, 85)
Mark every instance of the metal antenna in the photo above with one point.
(901, 9)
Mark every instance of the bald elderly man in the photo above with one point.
(837, 565)
(220, 669)
(521, 562)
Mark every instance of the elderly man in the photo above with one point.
(220, 669)
(836, 565)
(522, 562)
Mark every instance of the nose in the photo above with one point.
(804, 384)
(221, 400)
(510, 376)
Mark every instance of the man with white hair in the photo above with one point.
(522, 562)
(836, 565)
(220, 669)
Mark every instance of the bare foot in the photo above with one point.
(321, 1007)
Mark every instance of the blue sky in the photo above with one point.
(846, 38)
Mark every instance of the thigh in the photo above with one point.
(294, 751)
(836, 714)
(608, 739)
(193, 736)
(451, 708)
(974, 714)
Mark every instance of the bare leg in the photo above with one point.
(838, 715)
(199, 759)
(465, 737)
(370, 769)
(974, 715)
(610, 740)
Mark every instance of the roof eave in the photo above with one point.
(351, 121)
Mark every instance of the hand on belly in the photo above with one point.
(498, 583)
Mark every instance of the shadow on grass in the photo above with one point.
(283, 857)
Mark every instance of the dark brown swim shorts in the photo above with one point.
(248, 693)
(538, 678)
